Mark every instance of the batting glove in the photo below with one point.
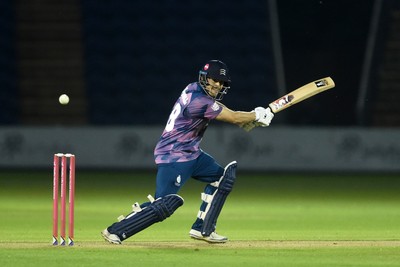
(264, 116)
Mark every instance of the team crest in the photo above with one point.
(178, 181)
(215, 106)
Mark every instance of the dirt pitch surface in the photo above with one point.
(200, 244)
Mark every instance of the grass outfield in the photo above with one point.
(271, 220)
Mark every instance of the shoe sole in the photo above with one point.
(110, 240)
(208, 240)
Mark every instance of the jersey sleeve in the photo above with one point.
(203, 107)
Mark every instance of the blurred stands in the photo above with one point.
(50, 62)
(141, 54)
(386, 108)
(124, 62)
(8, 88)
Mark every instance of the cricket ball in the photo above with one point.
(63, 99)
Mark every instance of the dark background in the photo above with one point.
(125, 62)
(325, 38)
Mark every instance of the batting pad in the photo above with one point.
(157, 211)
(217, 200)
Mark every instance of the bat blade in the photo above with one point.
(306, 91)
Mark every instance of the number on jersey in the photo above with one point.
(172, 117)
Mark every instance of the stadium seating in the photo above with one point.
(8, 93)
(139, 55)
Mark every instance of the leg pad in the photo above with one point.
(214, 208)
(156, 211)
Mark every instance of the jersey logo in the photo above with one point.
(215, 107)
(178, 181)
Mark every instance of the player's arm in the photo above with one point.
(247, 120)
(236, 117)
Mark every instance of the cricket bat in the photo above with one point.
(306, 91)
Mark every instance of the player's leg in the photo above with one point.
(157, 211)
(170, 178)
(213, 198)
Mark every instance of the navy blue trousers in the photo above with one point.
(172, 176)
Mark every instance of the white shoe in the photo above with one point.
(213, 238)
(112, 238)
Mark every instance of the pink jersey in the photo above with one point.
(186, 125)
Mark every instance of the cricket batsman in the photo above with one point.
(178, 157)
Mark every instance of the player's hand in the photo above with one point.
(249, 126)
(264, 116)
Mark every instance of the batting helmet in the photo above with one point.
(218, 71)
